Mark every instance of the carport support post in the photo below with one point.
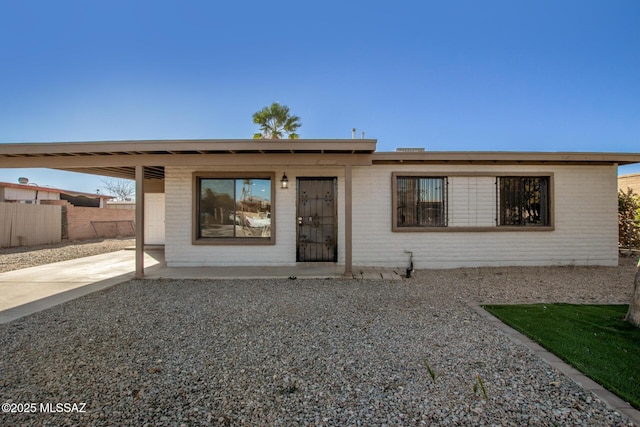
(139, 222)
(348, 225)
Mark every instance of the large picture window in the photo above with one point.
(524, 201)
(234, 209)
(420, 201)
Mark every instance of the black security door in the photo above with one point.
(316, 220)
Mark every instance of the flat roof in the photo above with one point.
(120, 158)
(505, 157)
(189, 146)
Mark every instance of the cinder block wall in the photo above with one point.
(584, 215)
(629, 181)
(181, 252)
(107, 223)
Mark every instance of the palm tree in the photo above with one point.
(275, 121)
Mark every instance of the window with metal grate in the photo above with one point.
(421, 201)
(523, 201)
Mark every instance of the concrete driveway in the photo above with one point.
(29, 290)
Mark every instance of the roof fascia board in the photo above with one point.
(303, 159)
(217, 145)
(487, 157)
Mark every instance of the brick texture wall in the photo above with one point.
(585, 216)
(179, 250)
(584, 213)
(97, 223)
(629, 181)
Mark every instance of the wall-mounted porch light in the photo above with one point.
(284, 182)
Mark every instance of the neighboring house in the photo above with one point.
(629, 181)
(301, 202)
(82, 215)
(35, 194)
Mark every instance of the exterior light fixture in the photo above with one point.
(284, 182)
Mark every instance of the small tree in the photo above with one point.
(628, 218)
(123, 189)
(275, 121)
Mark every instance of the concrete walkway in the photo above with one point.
(298, 271)
(29, 290)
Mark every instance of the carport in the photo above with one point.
(145, 161)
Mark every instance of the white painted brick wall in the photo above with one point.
(585, 216)
(585, 221)
(179, 251)
(472, 201)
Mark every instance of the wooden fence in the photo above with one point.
(28, 225)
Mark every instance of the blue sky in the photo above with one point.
(443, 75)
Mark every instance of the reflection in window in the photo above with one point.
(234, 208)
(524, 201)
(421, 201)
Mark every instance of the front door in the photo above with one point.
(316, 240)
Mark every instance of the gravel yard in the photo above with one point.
(302, 352)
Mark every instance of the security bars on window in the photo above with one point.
(421, 201)
(523, 201)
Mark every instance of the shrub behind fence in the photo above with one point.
(629, 234)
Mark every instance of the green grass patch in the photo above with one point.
(592, 338)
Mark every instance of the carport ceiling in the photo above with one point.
(126, 172)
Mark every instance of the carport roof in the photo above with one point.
(120, 158)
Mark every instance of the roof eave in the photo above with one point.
(209, 146)
(501, 157)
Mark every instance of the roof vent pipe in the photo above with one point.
(353, 133)
(362, 135)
